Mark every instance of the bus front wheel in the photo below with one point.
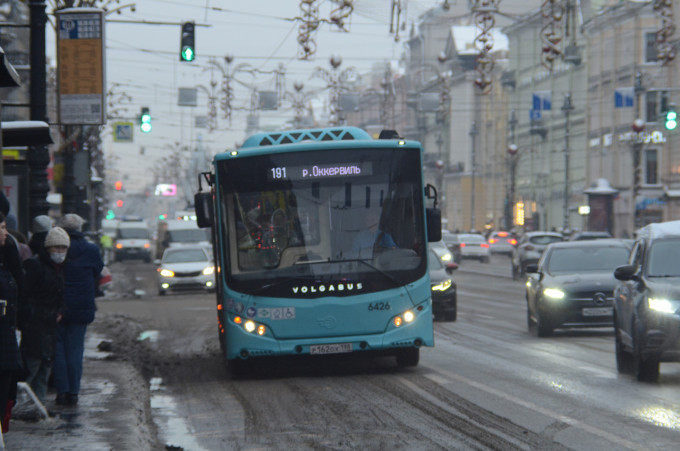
(408, 357)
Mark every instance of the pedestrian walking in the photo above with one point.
(82, 269)
(10, 360)
(39, 228)
(44, 299)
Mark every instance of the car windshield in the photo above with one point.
(434, 261)
(586, 259)
(189, 235)
(544, 239)
(141, 234)
(185, 256)
(472, 239)
(663, 258)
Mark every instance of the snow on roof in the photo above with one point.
(659, 229)
(464, 39)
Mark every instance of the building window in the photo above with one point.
(651, 165)
(651, 52)
(656, 104)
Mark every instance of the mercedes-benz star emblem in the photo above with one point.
(600, 299)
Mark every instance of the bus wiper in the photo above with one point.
(275, 283)
(395, 280)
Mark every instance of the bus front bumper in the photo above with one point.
(254, 340)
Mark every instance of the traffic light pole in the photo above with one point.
(38, 156)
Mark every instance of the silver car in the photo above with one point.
(186, 268)
(529, 249)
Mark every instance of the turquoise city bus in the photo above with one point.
(320, 240)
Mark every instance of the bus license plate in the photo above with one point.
(335, 348)
(598, 311)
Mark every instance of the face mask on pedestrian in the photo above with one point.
(58, 257)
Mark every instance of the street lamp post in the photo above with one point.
(512, 165)
(638, 127)
(473, 136)
(567, 108)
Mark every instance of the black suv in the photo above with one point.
(647, 303)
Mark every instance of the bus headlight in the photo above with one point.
(406, 317)
(249, 326)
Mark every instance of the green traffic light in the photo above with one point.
(188, 53)
(671, 120)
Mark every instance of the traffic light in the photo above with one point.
(119, 203)
(145, 120)
(671, 119)
(118, 185)
(187, 50)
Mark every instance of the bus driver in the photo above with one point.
(371, 234)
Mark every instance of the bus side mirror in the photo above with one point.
(434, 224)
(205, 216)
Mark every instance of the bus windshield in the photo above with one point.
(323, 216)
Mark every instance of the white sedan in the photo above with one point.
(474, 245)
(186, 268)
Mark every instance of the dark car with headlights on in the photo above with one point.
(572, 285)
(647, 303)
(186, 268)
(444, 299)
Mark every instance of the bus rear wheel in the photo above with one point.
(408, 357)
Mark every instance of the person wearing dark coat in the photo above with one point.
(82, 269)
(39, 227)
(44, 297)
(10, 359)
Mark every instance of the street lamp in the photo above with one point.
(567, 108)
(638, 127)
(512, 164)
(473, 136)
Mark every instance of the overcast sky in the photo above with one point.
(143, 60)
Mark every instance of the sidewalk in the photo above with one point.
(113, 411)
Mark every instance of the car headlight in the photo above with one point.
(663, 305)
(166, 273)
(210, 270)
(446, 257)
(554, 293)
(443, 286)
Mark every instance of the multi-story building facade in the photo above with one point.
(548, 106)
(626, 80)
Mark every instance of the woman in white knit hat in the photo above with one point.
(44, 294)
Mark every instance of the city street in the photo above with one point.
(487, 384)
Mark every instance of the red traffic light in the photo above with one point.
(119, 203)
(118, 185)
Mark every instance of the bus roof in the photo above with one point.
(296, 136)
